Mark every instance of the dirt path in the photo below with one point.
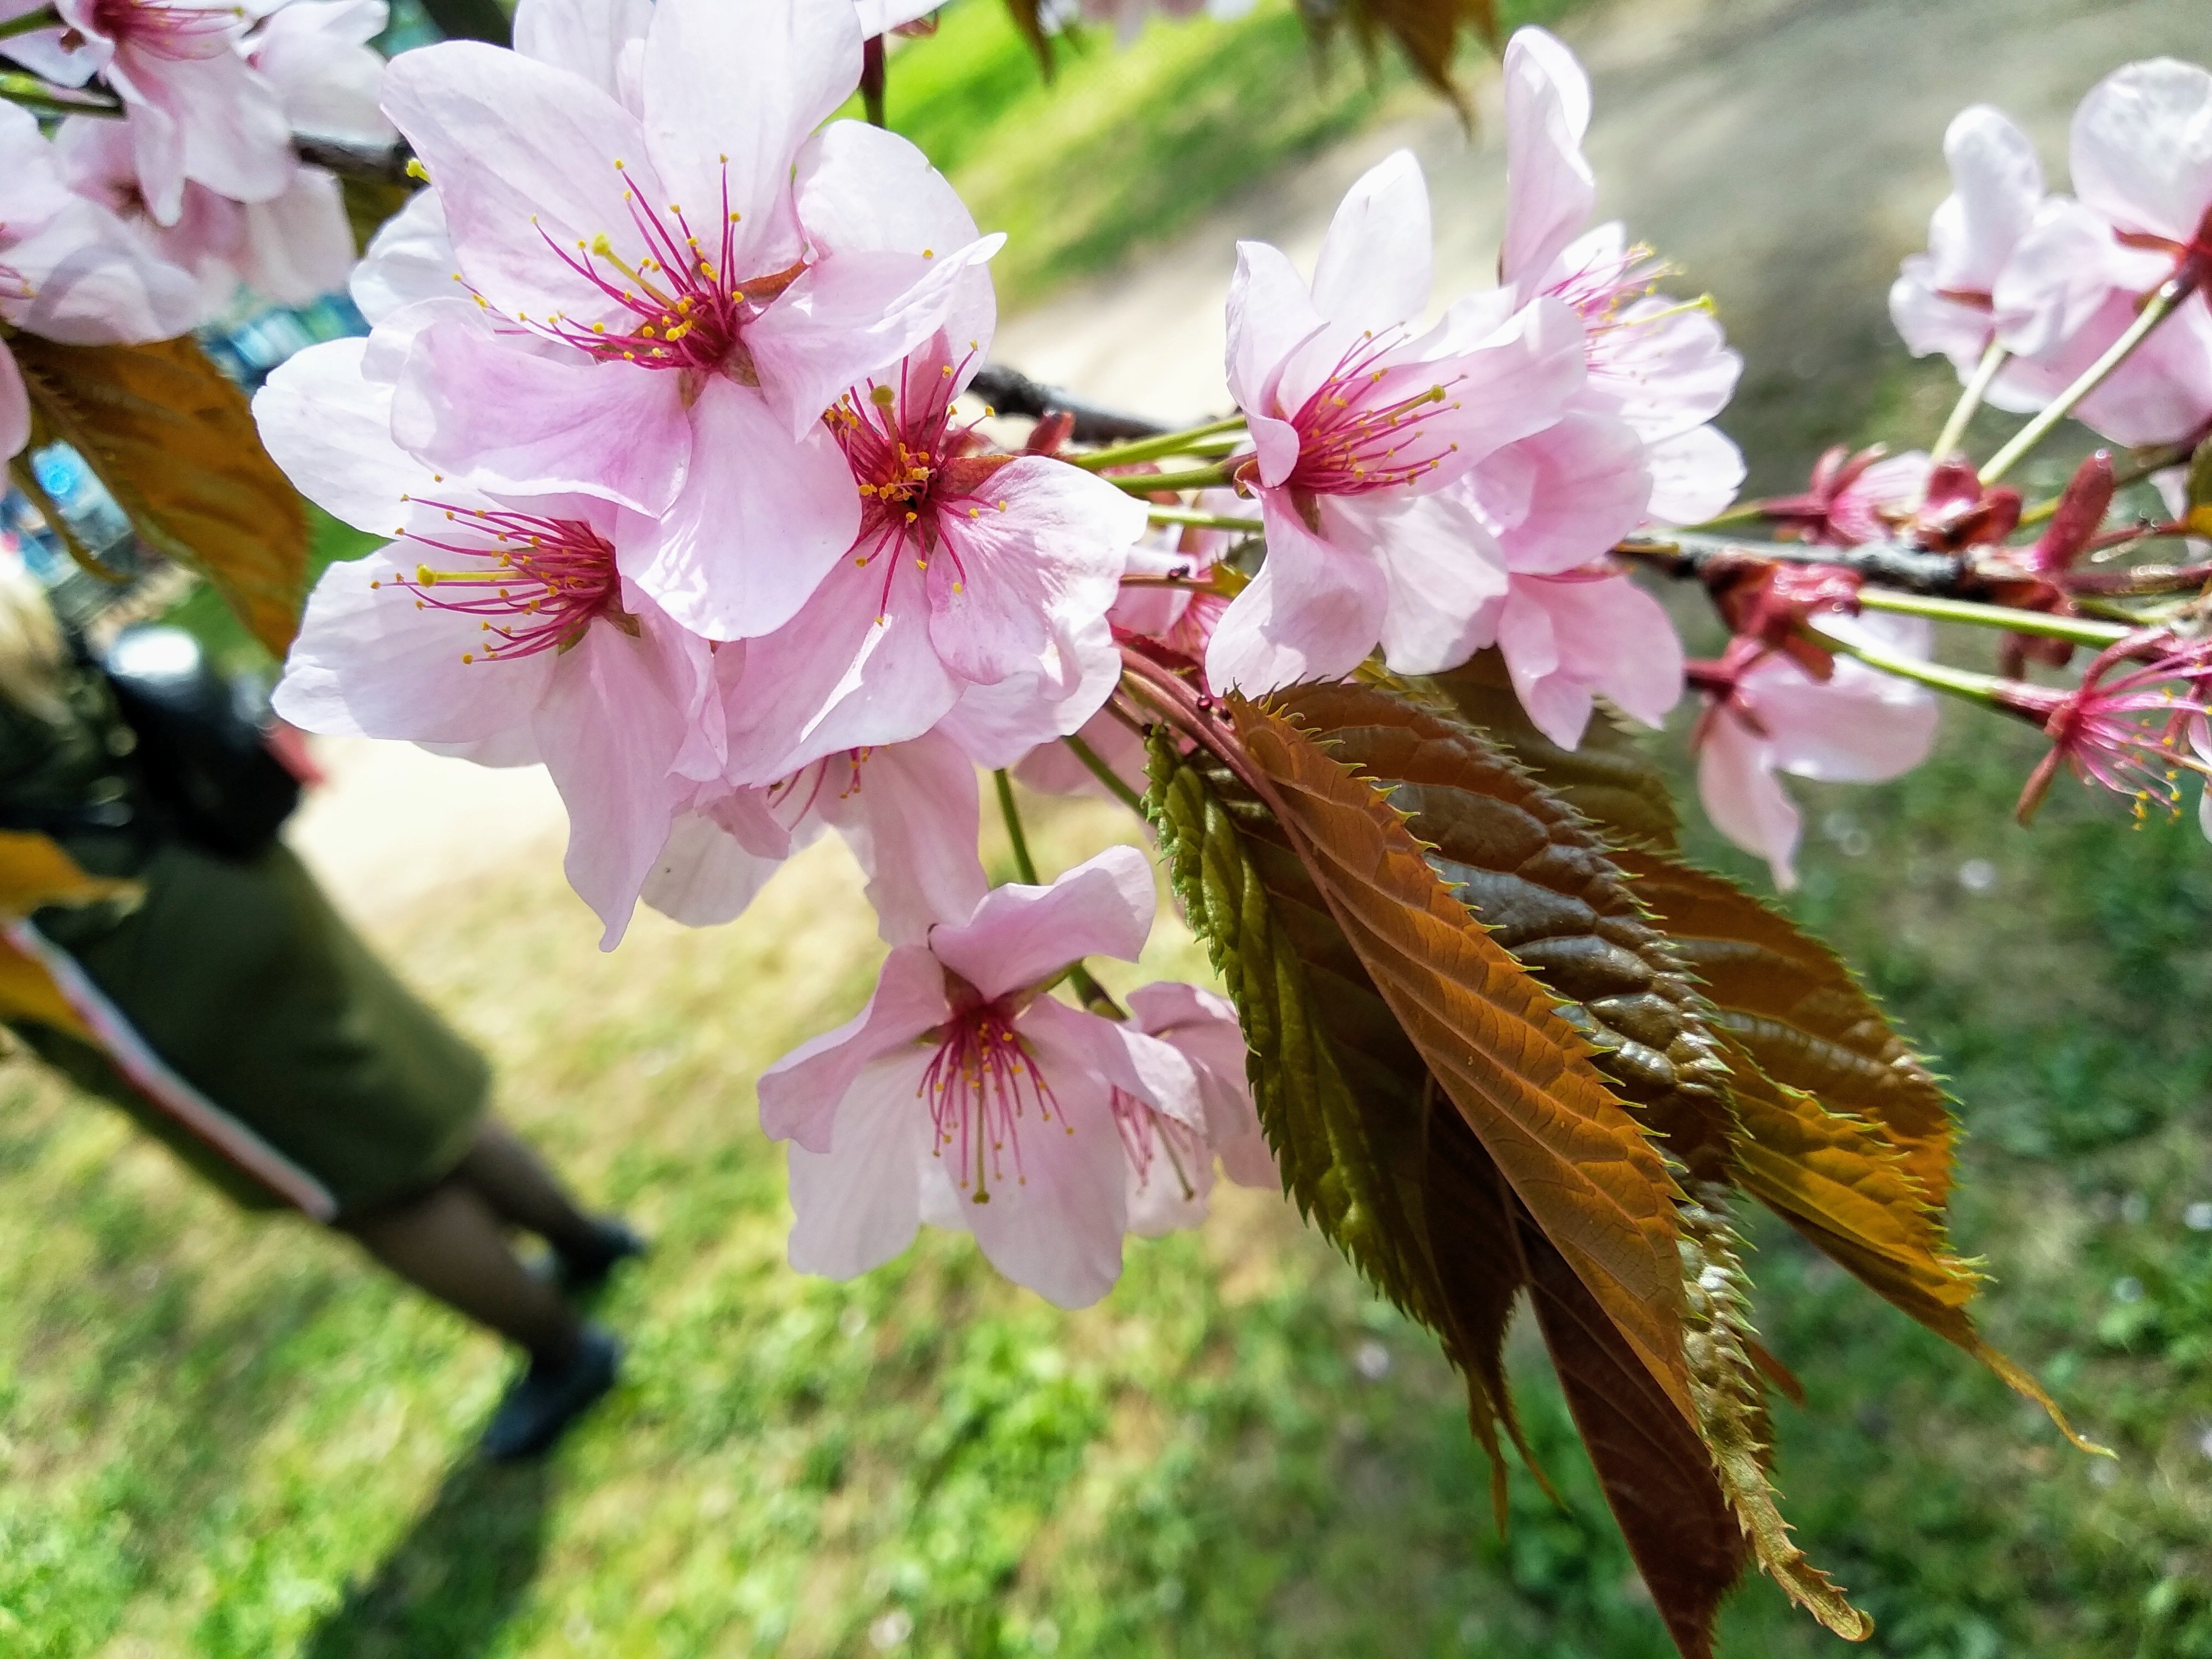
(1784, 153)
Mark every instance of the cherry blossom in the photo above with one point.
(965, 1094)
(973, 598)
(1853, 498)
(328, 78)
(1662, 367)
(194, 107)
(703, 273)
(293, 248)
(2140, 157)
(907, 812)
(1764, 713)
(2137, 732)
(1356, 417)
(496, 626)
(1170, 1162)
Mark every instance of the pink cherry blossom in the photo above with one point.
(907, 812)
(499, 627)
(973, 596)
(1356, 417)
(1861, 726)
(194, 108)
(1944, 300)
(2137, 730)
(1181, 618)
(965, 1093)
(1662, 367)
(1854, 499)
(293, 248)
(2142, 166)
(703, 274)
(316, 54)
(1170, 1162)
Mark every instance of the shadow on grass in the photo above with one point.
(450, 1585)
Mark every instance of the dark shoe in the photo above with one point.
(582, 1272)
(545, 1399)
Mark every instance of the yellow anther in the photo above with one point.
(882, 397)
(416, 169)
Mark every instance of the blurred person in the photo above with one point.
(240, 1020)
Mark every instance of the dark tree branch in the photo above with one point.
(1889, 564)
(1010, 392)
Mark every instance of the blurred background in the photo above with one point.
(225, 1438)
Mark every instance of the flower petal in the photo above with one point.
(857, 1205)
(800, 1095)
(1373, 269)
(1549, 187)
(1313, 612)
(1021, 935)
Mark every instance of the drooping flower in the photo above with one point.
(973, 597)
(2141, 164)
(2137, 732)
(907, 812)
(965, 1093)
(1170, 1162)
(498, 627)
(194, 106)
(1766, 715)
(1356, 417)
(1661, 366)
(703, 275)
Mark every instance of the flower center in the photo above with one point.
(1360, 431)
(981, 1085)
(536, 583)
(2131, 738)
(687, 305)
(164, 29)
(911, 466)
(1147, 1134)
(792, 797)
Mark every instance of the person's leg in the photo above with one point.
(448, 1243)
(516, 1183)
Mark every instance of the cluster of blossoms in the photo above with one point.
(661, 410)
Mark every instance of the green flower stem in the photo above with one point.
(43, 98)
(1952, 682)
(2075, 630)
(2156, 309)
(1151, 483)
(1152, 449)
(1204, 521)
(1093, 994)
(1954, 429)
(1105, 774)
(30, 22)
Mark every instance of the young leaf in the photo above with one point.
(1493, 1039)
(1343, 1098)
(1609, 779)
(1536, 875)
(175, 444)
(1798, 1012)
(1852, 1195)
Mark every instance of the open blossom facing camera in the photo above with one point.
(966, 1094)
(499, 627)
(680, 289)
(1357, 413)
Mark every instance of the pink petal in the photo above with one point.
(1313, 611)
(330, 428)
(747, 79)
(299, 246)
(1549, 187)
(1515, 383)
(800, 1094)
(409, 259)
(854, 313)
(705, 876)
(911, 819)
(1444, 571)
(1588, 487)
(93, 282)
(1270, 314)
(2142, 147)
(2059, 274)
(368, 662)
(1997, 184)
(1742, 796)
(1021, 935)
(610, 727)
(862, 190)
(586, 37)
(996, 725)
(523, 155)
(15, 406)
(858, 1204)
(1927, 322)
(1373, 271)
(1694, 475)
(753, 533)
(1667, 368)
(511, 419)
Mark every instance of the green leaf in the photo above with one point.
(174, 442)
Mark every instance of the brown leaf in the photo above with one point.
(1798, 1012)
(1490, 1036)
(1610, 778)
(34, 872)
(175, 444)
(1853, 1195)
(1428, 31)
